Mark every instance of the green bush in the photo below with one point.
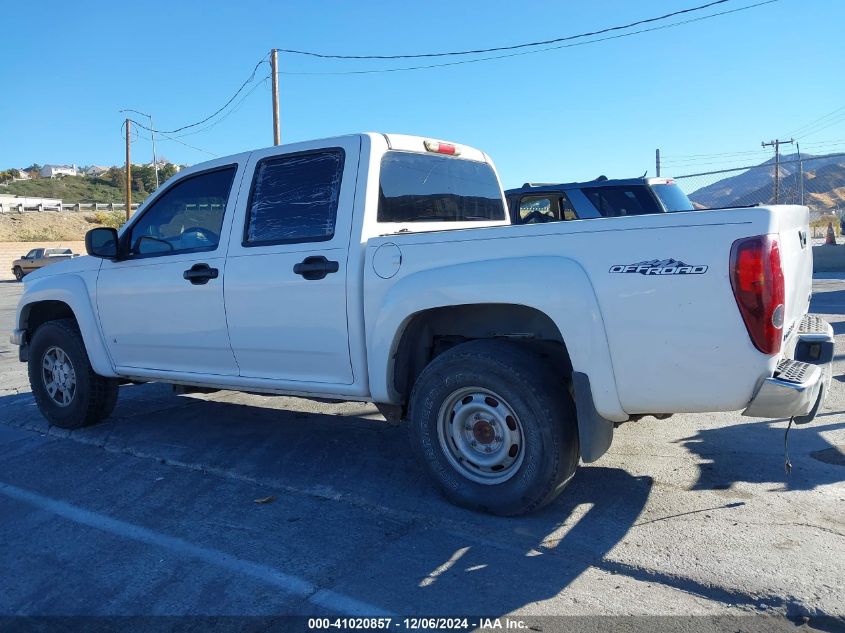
(114, 219)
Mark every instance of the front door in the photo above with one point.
(161, 307)
(286, 270)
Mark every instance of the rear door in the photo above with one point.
(286, 271)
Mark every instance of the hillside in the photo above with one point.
(823, 180)
(71, 189)
(52, 226)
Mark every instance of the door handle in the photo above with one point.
(315, 267)
(199, 274)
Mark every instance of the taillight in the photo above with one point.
(757, 281)
(441, 148)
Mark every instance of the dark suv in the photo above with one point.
(601, 198)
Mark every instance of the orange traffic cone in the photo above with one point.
(830, 238)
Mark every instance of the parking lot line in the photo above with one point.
(293, 585)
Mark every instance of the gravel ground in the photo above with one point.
(154, 512)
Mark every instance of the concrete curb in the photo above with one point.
(829, 258)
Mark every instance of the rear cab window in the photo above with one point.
(432, 188)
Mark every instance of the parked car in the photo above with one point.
(38, 258)
(600, 198)
(383, 268)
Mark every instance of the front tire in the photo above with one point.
(495, 427)
(66, 389)
(18, 272)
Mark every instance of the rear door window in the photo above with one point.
(294, 198)
(618, 201)
(431, 188)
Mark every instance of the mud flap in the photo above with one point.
(595, 433)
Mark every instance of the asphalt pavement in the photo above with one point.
(233, 504)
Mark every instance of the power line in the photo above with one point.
(506, 48)
(520, 53)
(249, 79)
(814, 122)
(229, 113)
(818, 128)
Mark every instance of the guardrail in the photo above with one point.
(21, 207)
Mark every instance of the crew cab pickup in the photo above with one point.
(384, 268)
(38, 258)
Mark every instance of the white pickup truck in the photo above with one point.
(383, 268)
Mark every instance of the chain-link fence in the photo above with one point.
(815, 181)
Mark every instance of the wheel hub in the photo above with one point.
(480, 435)
(59, 376)
(484, 432)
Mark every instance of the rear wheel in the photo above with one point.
(66, 389)
(18, 272)
(495, 427)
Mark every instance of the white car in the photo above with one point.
(383, 268)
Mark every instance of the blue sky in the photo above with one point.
(720, 85)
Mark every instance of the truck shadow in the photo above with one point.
(436, 558)
(753, 453)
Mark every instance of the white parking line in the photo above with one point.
(292, 585)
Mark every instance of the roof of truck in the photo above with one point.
(544, 187)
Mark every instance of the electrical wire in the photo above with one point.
(811, 124)
(506, 48)
(520, 53)
(249, 79)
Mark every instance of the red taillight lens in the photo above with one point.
(757, 281)
(441, 148)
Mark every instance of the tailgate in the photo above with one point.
(796, 253)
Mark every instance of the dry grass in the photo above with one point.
(49, 226)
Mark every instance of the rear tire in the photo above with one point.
(66, 389)
(18, 272)
(495, 427)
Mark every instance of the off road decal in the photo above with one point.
(660, 267)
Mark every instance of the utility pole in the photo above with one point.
(800, 176)
(657, 161)
(155, 160)
(153, 135)
(128, 172)
(274, 65)
(776, 144)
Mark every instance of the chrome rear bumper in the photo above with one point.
(799, 385)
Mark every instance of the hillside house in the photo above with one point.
(57, 171)
(96, 170)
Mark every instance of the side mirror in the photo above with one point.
(101, 242)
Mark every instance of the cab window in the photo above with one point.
(613, 202)
(186, 218)
(294, 198)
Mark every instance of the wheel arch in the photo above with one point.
(61, 297)
(567, 316)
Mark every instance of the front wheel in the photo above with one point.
(66, 389)
(495, 427)
(18, 272)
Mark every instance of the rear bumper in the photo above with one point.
(801, 381)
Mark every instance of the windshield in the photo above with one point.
(673, 197)
(432, 188)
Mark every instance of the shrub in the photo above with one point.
(114, 219)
